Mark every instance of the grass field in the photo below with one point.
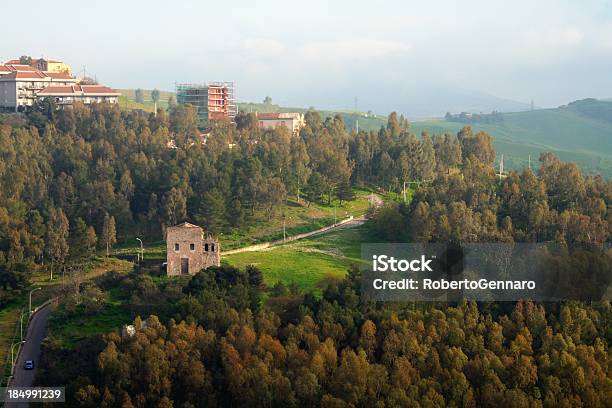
(308, 264)
(299, 218)
(75, 327)
(128, 99)
(9, 320)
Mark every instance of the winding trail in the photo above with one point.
(350, 222)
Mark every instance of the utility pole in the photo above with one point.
(404, 191)
(284, 228)
(529, 162)
(501, 167)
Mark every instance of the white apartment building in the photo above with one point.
(20, 84)
(87, 94)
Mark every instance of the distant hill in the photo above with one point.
(580, 131)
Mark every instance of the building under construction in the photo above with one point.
(214, 100)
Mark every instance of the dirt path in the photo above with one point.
(350, 222)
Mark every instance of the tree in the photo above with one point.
(171, 102)
(139, 95)
(274, 195)
(155, 97)
(314, 188)
(267, 100)
(211, 212)
(56, 241)
(83, 240)
(25, 60)
(174, 206)
(91, 241)
(109, 234)
(300, 161)
(345, 192)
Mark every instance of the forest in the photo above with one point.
(77, 180)
(217, 343)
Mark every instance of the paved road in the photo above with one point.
(37, 331)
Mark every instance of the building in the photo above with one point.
(52, 66)
(43, 64)
(214, 100)
(22, 85)
(87, 94)
(189, 251)
(291, 120)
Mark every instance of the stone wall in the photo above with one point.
(188, 252)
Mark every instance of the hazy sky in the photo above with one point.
(325, 53)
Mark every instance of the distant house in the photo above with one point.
(43, 64)
(293, 121)
(22, 85)
(87, 94)
(188, 251)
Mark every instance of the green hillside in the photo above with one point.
(580, 132)
(128, 99)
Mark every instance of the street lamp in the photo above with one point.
(141, 249)
(21, 325)
(13, 350)
(33, 290)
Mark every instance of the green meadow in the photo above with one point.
(307, 264)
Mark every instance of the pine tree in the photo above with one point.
(109, 234)
(57, 247)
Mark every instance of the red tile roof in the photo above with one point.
(58, 75)
(78, 90)
(27, 72)
(19, 67)
(24, 75)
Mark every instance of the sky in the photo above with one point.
(416, 57)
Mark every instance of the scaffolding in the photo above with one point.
(214, 100)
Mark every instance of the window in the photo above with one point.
(206, 247)
(192, 247)
(212, 247)
(176, 247)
